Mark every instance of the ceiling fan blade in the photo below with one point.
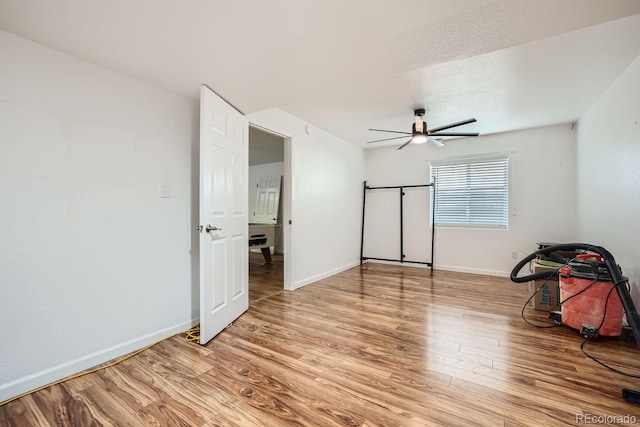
(404, 145)
(453, 134)
(387, 139)
(452, 125)
(392, 131)
(438, 143)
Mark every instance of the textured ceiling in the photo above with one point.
(346, 66)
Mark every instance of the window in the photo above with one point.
(472, 191)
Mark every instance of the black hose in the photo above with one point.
(561, 247)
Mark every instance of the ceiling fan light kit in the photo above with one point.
(419, 128)
(419, 138)
(420, 134)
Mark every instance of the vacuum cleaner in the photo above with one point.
(577, 279)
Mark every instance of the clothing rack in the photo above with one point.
(366, 188)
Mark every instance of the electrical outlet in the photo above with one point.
(514, 255)
(165, 191)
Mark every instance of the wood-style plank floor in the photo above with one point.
(376, 345)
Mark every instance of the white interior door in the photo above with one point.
(224, 164)
(267, 199)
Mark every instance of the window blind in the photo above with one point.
(472, 191)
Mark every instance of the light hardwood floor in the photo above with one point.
(376, 345)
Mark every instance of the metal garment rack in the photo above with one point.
(401, 188)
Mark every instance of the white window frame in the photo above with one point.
(466, 175)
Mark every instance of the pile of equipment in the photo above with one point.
(594, 295)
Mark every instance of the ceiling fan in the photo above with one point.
(420, 134)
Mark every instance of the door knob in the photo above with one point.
(209, 228)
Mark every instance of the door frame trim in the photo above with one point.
(287, 197)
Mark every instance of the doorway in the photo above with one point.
(266, 214)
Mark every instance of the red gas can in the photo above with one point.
(588, 297)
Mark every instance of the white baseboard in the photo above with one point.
(56, 373)
(312, 279)
(448, 268)
(473, 270)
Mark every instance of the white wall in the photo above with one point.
(327, 175)
(542, 201)
(93, 263)
(608, 170)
